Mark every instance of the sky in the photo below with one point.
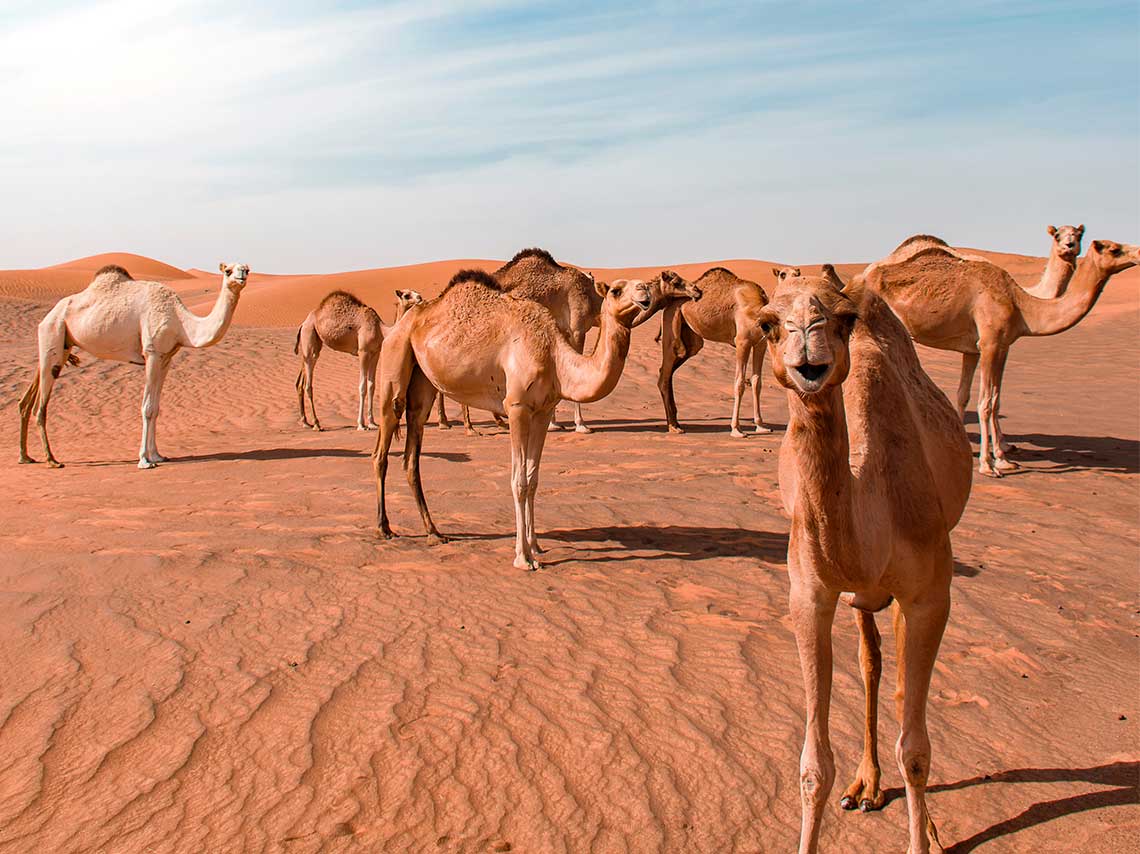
(308, 137)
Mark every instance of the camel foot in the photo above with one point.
(761, 430)
(583, 428)
(1004, 464)
(735, 433)
(435, 538)
(317, 428)
(386, 532)
(676, 429)
(147, 464)
(531, 565)
(988, 470)
(444, 425)
(25, 459)
(159, 458)
(364, 428)
(555, 427)
(54, 463)
(304, 422)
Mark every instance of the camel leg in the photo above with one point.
(865, 793)
(991, 458)
(27, 404)
(301, 396)
(468, 427)
(679, 343)
(966, 383)
(521, 417)
(812, 611)
(742, 353)
(922, 624)
(533, 461)
(578, 342)
(152, 453)
(373, 364)
(421, 397)
(500, 421)
(444, 424)
(151, 391)
(53, 355)
(396, 372)
(758, 352)
(1001, 446)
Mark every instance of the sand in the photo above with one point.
(219, 656)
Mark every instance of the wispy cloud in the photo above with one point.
(360, 133)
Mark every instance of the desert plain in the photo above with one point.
(219, 655)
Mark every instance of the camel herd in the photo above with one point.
(874, 469)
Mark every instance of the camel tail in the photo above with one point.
(297, 343)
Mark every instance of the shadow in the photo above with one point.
(1124, 776)
(304, 453)
(1074, 453)
(674, 542)
(962, 570)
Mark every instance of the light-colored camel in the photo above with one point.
(964, 303)
(1062, 261)
(345, 324)
(118, 318)
(874, 472)
(503, 353)
(725, 314)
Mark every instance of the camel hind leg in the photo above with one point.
(444, 423)
(421, 396)
(27, 403)
(758, 351)
(396, 364)
(743, 354)
(966, 381)
(54, 352)
(535, 445)
(865, 793)
(679, 343)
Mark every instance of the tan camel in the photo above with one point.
(874, 472)
(345, 324)
(725, 314)
(1062, 261)
(496, 351)
(118, 318)
(964, 303)
(782, 274)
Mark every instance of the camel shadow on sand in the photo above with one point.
(1076, 453)
(695, 425)
(670, 542)
(306, 453)
(1121, 776)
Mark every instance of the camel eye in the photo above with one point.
(616, 290)
(766, 328)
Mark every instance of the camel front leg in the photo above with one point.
(991, 458)
(421, 396)
(758, 351)
(150, 408)
(362, 393)
(397, 370)
(813, 610)
(742, 354)
(521, 418)
(922, 625)
(444, 424)
(310, 369)
(865, 793)
(373, 363)
(966, 382)
(152, 453)
(533, 461)
(468, 427)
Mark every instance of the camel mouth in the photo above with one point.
(642, 302)
(809, 377)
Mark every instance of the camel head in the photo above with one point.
(406, 298)
(807, 324)
(1067, 240)
(782, 274)
(234, 276)
(1113, 257)
(669, 285)
(627, 300)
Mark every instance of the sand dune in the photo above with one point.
(218, 655)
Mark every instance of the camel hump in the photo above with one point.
(341, 296)
(113, 270)
(531, 252)
(922, 238)
(475, 277)
(718, 271)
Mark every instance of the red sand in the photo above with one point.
(218, 655)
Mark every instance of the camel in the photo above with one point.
(345, 324)
(782, 274)
(124, 320)
(725, 314)
(964, 303)
(496, 351)
(1062, 261)
(875, 471)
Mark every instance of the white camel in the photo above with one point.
(118, 318)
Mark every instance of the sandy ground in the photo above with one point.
(218, 655)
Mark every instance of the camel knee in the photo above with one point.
(913, 754)
(817, 777)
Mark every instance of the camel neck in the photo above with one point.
(585, 379)
(1055, 278)
(817, 440)
(207, 331)
(1053, 316)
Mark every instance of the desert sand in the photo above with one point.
(220, 656)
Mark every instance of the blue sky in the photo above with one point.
(303, 136)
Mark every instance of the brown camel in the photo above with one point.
(1062, 261)
(118, 318)
(499, 352)
(726, 314)
(964, 303)
(345, 324)
(874, 472)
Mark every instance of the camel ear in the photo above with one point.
(1081, 230)
(1052, 231)
(829, 273)
(222, 267)
(776, 272)
(1098, 246)
(601, 287)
